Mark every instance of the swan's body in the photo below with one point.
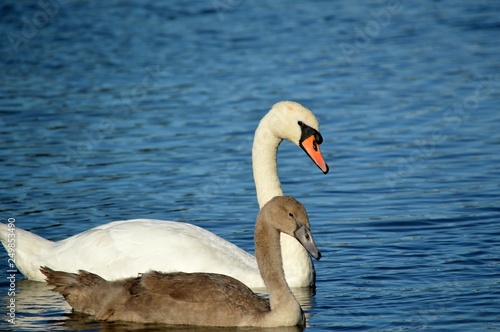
(126, 248)
(201, 298)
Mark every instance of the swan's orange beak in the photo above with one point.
(311, 147)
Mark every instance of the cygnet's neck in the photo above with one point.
(264, 162)
(269, 260)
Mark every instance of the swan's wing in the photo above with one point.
(126, 248)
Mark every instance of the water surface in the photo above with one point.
(124, 110)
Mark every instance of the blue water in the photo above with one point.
(128, 110)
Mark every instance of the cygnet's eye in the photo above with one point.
(290, 214)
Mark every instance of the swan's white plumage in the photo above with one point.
(123, 249)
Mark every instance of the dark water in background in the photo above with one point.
(147, 110)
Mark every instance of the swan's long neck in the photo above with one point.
(268, 254)
(265, 170)
(296, 262)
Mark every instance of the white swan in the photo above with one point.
(207, 299)
(123, 249)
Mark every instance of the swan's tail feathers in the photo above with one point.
(26, 249)
(10, 234)
(66, 282)
(7, 232)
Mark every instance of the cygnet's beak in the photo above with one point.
(303, 234)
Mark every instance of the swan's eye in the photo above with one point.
(290, 215)
(300, 123)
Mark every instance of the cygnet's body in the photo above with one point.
(201, 298)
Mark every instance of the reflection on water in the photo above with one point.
(35, 303)
(76, 322)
